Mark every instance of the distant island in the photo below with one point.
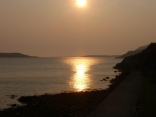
(15, 55)
(129, 53)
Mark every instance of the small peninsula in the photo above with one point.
(15, 55)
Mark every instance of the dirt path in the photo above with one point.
(122, 101)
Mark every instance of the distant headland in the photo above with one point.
(145, 61)
(15, 55)
(101, 56)
(133, 52)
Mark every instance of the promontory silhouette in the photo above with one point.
(144, 61)
(129, 53)
(14, 55)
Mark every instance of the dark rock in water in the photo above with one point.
(12, 96)
(115, 71)
(107, 77)
(104, 79)
(13, 105)
(144, 61)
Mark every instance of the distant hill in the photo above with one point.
(143, 61)
(14, 55)
(129, 53)
(101, 56)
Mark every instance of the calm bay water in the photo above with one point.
(34, 76)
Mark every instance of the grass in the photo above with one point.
(147, 101)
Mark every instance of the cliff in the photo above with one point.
(143, 61)
(14, 55)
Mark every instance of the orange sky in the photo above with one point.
(62, 28)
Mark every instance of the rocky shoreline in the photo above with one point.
(66, 104)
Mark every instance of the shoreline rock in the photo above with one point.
(67, 104)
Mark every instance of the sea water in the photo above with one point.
(35, 76)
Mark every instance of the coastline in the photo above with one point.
(66, 104)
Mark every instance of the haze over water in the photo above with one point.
(31, 76)
(76, 27)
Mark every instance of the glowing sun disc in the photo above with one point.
(81, 3)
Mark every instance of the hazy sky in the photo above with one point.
(61, 28)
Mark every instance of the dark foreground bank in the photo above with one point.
(144, 62)
(147, 103)
(72, 104)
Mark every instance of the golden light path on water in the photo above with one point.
(80, 80)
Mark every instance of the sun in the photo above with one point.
(81, 3)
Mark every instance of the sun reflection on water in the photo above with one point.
(80, 80)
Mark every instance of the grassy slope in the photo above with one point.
(147, 102)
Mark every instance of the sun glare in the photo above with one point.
(81, 3)
(80, 79)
